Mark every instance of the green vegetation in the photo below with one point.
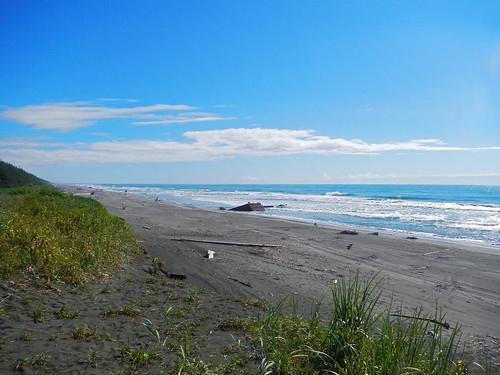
(251, 302)
(85, 333)
(37, 315)
(92, 359)
(37, 362)
(139, 356)
(26, 336)
(124, 310)
(235, 323)
(54, 237)
(11, 176)
(64, 313)
(356, 338)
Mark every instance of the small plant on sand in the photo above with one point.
(21, 363)
(187, 363)
(26, 336)
(234, 323)
(37, 315)
(142, 303)
(251, 302)
(139, 356)
(84, 333)
(192, 298)
(154, 331)
(92, 359)
(55, 337)
(37, 362)
(64, 313)
(124, 310)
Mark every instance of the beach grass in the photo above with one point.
(357, 337)
(51, 236)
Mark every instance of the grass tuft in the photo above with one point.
(37, 315)
(357, 338)
(123, 310)
(139, 356)
(63, 313)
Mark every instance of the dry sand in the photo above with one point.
(463, 280)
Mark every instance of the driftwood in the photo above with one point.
(442, 324)
(347, 231)
(146, 227)
(239, 281)
(225, 242)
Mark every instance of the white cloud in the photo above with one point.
(183, 118)
(68, 116)
(217, 144)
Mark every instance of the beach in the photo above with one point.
(461, 279)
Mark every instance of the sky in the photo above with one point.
(251, 91)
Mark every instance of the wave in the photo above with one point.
(335, 193)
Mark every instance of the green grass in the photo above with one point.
(85, 333)
(37, 362)
(124, 310)
(234, 323)
(37, 315)
(54, 237)
(138, 356)
(260, 304)
(64, 313)
(357, 338)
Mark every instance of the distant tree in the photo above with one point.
(12, 176)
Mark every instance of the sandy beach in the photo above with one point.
(462, 279)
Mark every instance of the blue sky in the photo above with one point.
(252, 92)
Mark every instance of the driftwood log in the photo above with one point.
(446, 325)
(239, 281)
(226, 243)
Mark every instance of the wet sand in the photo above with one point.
(464, 280)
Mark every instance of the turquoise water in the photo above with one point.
(458, 212)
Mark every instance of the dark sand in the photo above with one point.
(113, 311)
(463, 280)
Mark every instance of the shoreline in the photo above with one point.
(465, 244)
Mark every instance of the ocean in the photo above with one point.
(452, 212)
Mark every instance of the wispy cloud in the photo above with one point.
(67, 116)
(219, 144)
(183, 118)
